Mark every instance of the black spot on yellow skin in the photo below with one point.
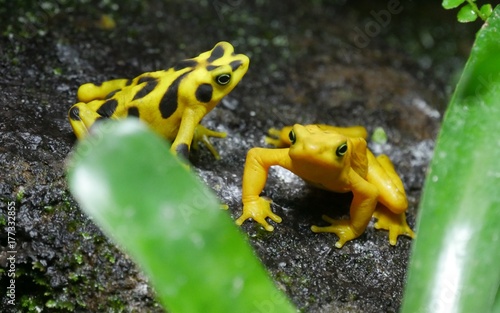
(184, 64)
(108, 108)
(111, 94)
(133, 111)
(235, 65)
(129, 82)
(74, 114)
(145, 79)
(183, 150)
(150, 86)
(211, 67)
(204, 93)
(168, 104)
(217, 53)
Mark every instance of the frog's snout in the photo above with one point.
(312, 148)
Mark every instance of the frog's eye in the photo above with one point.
(341, 150)
(292, 137)
(223, 79)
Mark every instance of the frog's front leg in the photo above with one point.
(361, 210)
(189, 121)
(258, 209)
(202, 134)
(257, 165)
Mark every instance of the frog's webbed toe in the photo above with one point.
(395, 223)
(342, 228)
(259, 210)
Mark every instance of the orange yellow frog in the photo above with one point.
(335, 159)
(172, 102)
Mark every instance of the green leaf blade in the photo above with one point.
(466, 14)
(486, 11)
(451, 4)
(167, 220)
(454, 263)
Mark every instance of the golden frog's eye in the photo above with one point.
(292, 137)
(223, 79)
(341, 150)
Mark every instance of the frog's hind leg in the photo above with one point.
(382, 174)
(350, 131)
(82, 116)
(387, 165)
(278, 137)
(391, 216)
(89, 92)
(395, 223)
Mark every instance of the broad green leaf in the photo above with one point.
(450, 4)
(466, 14)
(127, 180)
(455, 264)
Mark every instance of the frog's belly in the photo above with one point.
(167, 128)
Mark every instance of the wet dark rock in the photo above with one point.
(306, 67)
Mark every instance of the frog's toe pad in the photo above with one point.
(259, 210)
(342, 228)
(395, 230)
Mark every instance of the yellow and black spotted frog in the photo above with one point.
(172, 102)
